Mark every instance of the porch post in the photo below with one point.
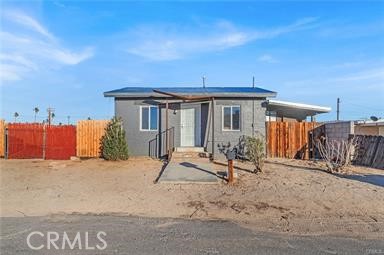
(166, 128)
(213, 127)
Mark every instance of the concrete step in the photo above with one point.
(183, 155)
(189, 149)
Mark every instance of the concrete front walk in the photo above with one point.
(189, 170)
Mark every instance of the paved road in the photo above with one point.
(134, 235)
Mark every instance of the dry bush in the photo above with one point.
(255, 151)
(336, 154)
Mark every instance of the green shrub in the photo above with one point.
(113, 144)
(255, 151)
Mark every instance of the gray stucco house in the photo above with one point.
(158, 120)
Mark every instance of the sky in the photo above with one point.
(65, 54)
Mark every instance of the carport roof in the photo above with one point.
(295, 110)
(191, 91)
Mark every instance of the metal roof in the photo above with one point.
(191, 91)
(295, 110)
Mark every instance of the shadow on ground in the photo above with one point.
(375, 179)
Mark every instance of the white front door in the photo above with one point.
(187, 128)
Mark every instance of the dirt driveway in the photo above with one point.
(292, 196)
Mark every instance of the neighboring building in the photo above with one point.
(341, 130)
(196, 117)
(369, 127)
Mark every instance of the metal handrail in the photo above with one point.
(158, 145)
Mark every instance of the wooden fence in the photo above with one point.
(60, 141)
(33, 140)
(2, 136)
(370, 151)
(89, 134)
(25, 140)
(289, 139)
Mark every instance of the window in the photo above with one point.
(231, 118)
(149, 118)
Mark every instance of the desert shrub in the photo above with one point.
(113, 144)
(255, 151)
(336, 154)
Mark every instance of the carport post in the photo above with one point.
(213, 128)
(166, 128)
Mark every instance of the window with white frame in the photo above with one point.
(148, 118)
(231, 118)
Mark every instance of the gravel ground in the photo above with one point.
(290, 196)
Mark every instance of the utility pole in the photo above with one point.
(253, 108)
(338, 110)
(50, 111)
(68, 117)
(203, 81)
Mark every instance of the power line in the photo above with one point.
(364, 106)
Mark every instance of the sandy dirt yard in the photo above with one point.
(290, 196)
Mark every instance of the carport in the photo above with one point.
(283, 110)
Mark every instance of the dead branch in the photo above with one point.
(336, 154)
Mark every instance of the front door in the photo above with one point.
(187, 128)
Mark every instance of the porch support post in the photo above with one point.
(213, 127)
(166, 128)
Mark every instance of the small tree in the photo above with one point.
(113, 144)
(53, 115)
(16, 115)
(36, 111)
(255, 151)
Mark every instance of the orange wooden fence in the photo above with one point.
(89, 134)
(289, 139)
(2, 135)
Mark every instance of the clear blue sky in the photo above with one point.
(65, 54)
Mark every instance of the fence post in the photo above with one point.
(6, 143)
(266, 138)
(44, 140)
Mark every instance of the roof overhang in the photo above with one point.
(295, 110)
(223, 92)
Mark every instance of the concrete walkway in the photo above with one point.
(189, 170)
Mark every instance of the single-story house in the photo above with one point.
(158, 120)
